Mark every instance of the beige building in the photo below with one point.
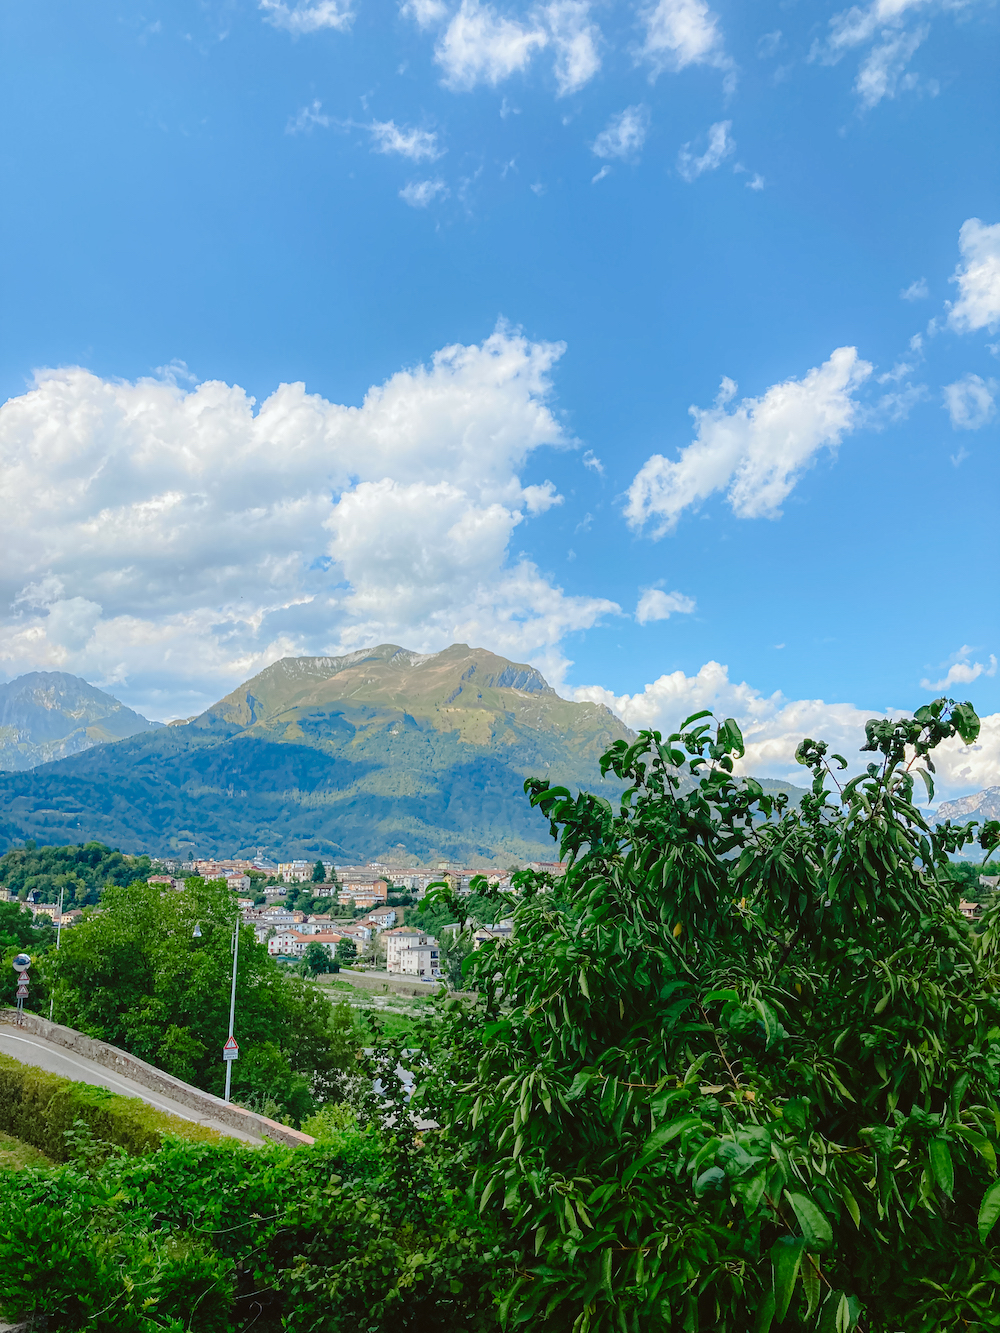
(295, 872)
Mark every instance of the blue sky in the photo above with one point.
(615, 210)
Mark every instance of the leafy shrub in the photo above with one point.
(41, 1108)
(739, 1068)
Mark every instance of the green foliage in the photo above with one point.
(739, 1068)
(135, 976)
(316, 960)
(41, 1108)
(319, 873)
(347, 952)
(19, 935)
(79, 871)
(363, 1233)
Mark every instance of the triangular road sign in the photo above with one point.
(231, 1050)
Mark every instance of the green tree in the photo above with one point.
(316, 960)
(78, 871)
(319, 873)
(738, 1068)
(135, 975)
(347, 952)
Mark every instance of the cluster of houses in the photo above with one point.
(288, 934)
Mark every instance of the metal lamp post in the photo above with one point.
(52, 998)
(231, 1050)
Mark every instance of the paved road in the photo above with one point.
(32, 1050)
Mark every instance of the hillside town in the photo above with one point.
(365, 908)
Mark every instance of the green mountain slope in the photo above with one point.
(383, 752)
(49, 715)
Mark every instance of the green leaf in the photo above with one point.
(816, 1230)
(491, 1185)
(717, 996)
(811, 1284)
(659, 1139)
(851, 1203)
(942, 1167)
(769, 1018)
(979, 1141)
(786, 1256)
(928, 782)
(966, 721)
(989, 1210)
(712, 1181)
(765, 1315)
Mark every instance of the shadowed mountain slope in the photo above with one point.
(382, 752)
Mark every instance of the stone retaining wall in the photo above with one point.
(148, 1076)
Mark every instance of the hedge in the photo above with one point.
(38, 1108)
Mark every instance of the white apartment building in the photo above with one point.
(396, 941)
(421, 960)
(411, 951)
(383, 918)
(293, 944)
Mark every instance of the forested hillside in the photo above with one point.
(381, 752)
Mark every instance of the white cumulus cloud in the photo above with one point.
(679, 33)
(755, 451)
(416, 144)
(881, 25)
(171, 541)
(971, 402)
(305, 17)
(977, 277)
(425, 13)
(481, 46)
(624, 134)
(773, 726)
(962, 671)
(720, 145)
(576, 41)
(655, 604)
(883, 71)
(307, 119)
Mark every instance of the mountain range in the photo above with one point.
(382, 752)
(49, 715)
(981, 805)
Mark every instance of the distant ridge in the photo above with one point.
(48, 715)
(981, 805)
(383, 752)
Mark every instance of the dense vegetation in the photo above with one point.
(79, 870)
(737, 1070)
(136, 975)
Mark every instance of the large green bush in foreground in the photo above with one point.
(739, 1070)
(330, 1239)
